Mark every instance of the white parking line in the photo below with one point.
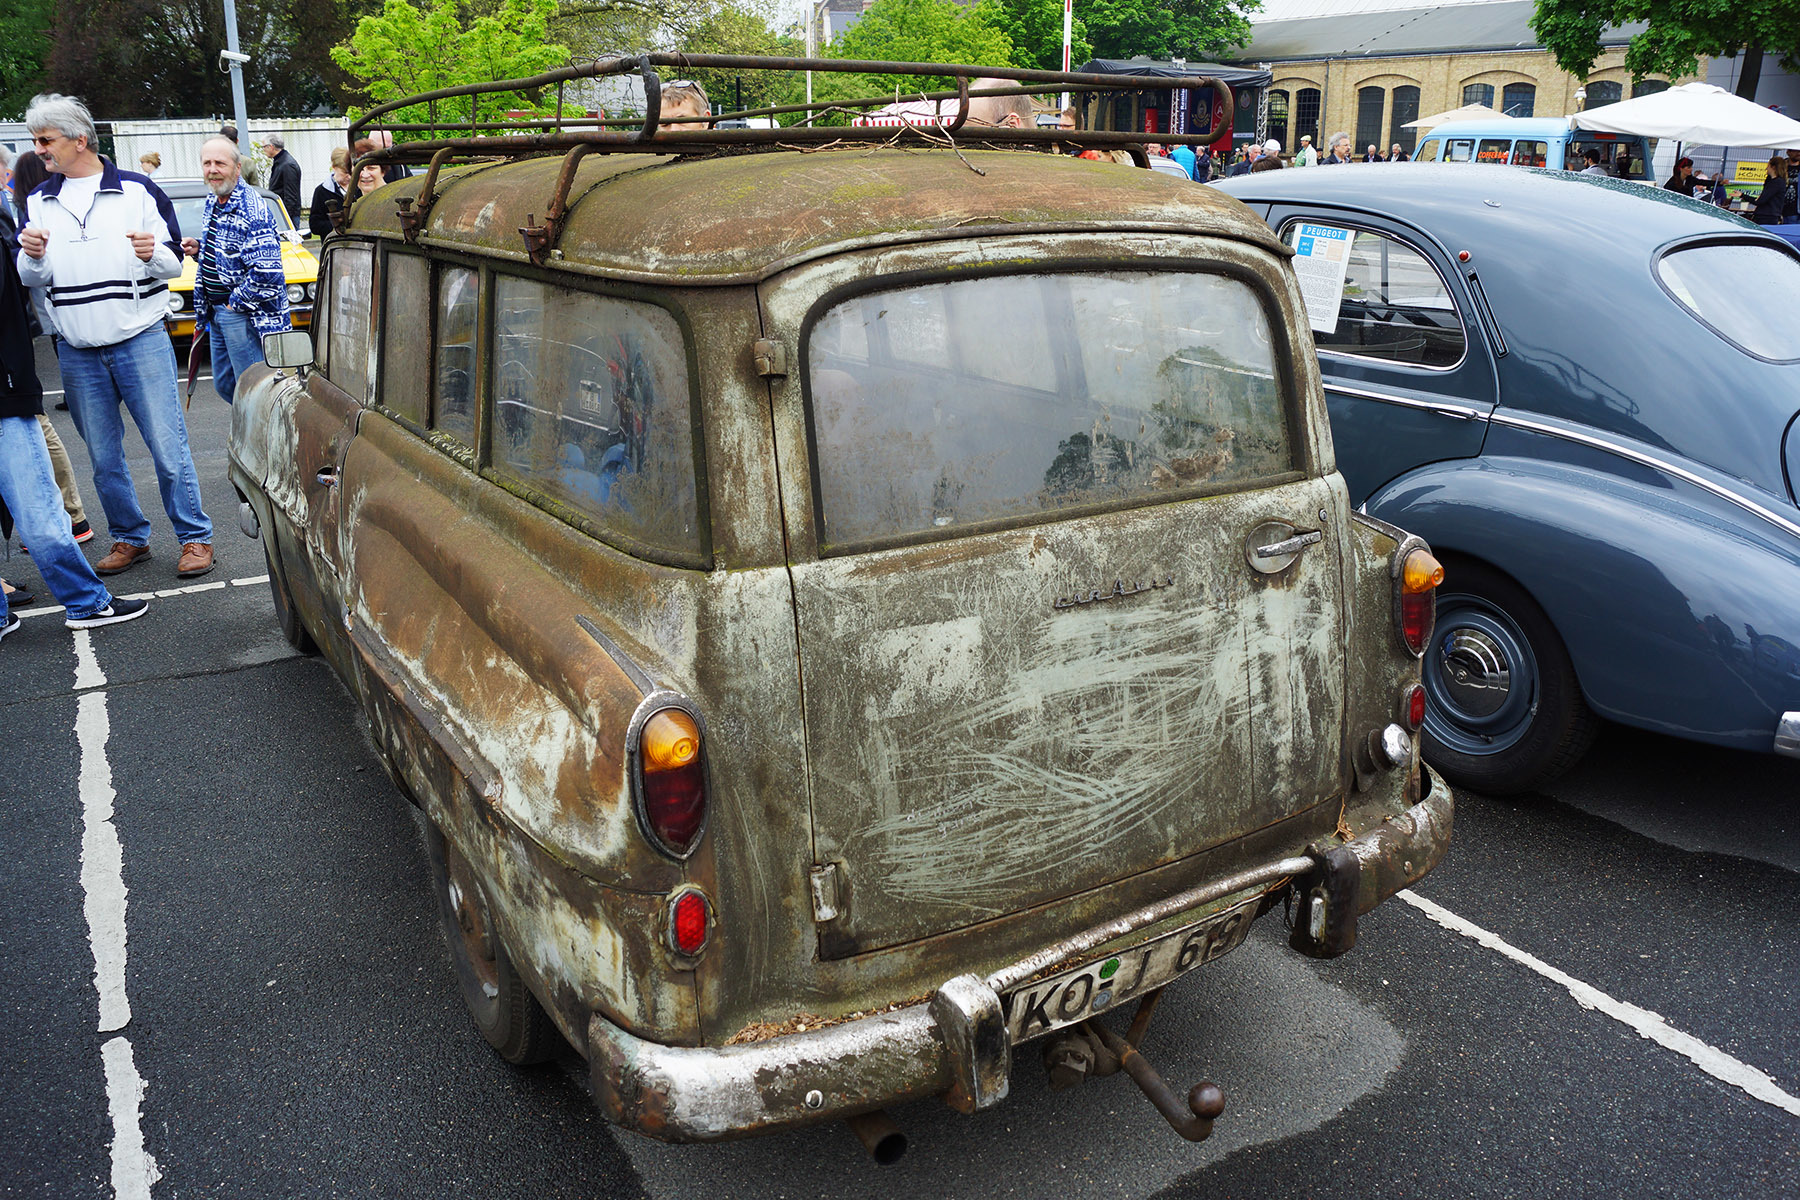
(191, 589)
(103, 889)
(1713, 1061)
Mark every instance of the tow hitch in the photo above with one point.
(1090, 1049)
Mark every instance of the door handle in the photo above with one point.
(1293, 545)
(328, 477)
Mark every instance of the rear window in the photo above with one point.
(592, 407)
(1728, 287)
(947, 405)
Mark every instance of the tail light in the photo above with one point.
(690, 922)
(1412, 707)
(672, 780)
(1420, 575)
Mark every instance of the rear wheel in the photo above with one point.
(508, 1015)
(1506, 712)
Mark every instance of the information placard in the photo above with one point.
(1321, 254)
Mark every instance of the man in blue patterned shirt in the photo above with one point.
(241, 291)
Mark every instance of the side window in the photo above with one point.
(405, 344)
(1428, 150)
(351, 271)
(1530, 154)
(1459, 151)
(1494, 150)
(1395, 306)
(458, 311)
(593, 408)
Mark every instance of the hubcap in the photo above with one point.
(1476, 673)
(1481, 677)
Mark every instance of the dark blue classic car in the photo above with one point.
(1583, 393)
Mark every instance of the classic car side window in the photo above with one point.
(1395, 306)
(405, 350)
(1494, 150)
(593, 408)
(347, 331)
(1039, 392)
(1729, 286)
(458, 308)
(1530, 154)
(1459, 151)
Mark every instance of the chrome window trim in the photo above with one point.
(1462, 412)
(1774, 518)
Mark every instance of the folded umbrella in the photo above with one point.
(193, 366)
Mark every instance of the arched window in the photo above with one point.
(1278, 118)
(1306, 117)
(1406, 108)
(1370, 104)
(1648, 87)
(1518, 99)
(1604, 91)
(1479, 93)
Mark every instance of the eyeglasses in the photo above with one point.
(47, 141)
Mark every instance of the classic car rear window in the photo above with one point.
(346, 334)
(593, 408)
(1395, 306)
(949, 404)
(1729, 288)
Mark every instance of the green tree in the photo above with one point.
(1679, 33)
(917, 31)
(24, 34)
(741, 28)
(407, 50)
(1035, 28)
(1194, 29)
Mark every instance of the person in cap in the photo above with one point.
(1306, 156)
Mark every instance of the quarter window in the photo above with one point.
(593, 409)
(1395, 306)
(351, 273)
(405, 348)
(949, 404)
(458, 307)
(1728, 286)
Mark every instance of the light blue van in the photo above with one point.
(1536, 142)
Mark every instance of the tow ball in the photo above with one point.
(1090, 1049)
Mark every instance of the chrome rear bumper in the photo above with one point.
(954, 1045)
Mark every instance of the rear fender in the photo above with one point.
(1675, 604)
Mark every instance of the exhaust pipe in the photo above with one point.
(879, 1136)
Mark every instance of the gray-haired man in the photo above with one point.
(284, 175)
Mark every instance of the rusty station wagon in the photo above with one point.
(842, 615)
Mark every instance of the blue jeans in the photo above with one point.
(236, 347)
(29, 486)
(140, 373)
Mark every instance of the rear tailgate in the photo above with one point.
(1037, 656)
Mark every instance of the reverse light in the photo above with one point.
(690, 921)
(673, 796)
(1420, 575)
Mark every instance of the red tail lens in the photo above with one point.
(1420, 575)
(674, 782)
(688, 922)
(1415, 707)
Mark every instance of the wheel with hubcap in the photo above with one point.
(1505, 711)
(508, 1015)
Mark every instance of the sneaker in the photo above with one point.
(113, 614)
(11, 623)
(196, 559)
(81, 531)
(122, 557)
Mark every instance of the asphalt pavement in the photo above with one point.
(1592, 996)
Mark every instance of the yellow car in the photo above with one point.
(297, 262)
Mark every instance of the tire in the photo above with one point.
(291, 627)
(503, 1008)
(1504, 709)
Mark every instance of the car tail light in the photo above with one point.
(690, 922)
(1413, 707)
(1420, 575)
(674, 780)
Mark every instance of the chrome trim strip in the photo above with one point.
(1445, 408)
(1787, 524)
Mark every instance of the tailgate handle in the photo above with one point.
(1293, 545)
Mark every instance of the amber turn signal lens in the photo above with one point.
(1421, 573)
(670, 740)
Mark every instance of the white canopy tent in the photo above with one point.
(1695, 113)
(1468, 112)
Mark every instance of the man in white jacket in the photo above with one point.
(105, 242)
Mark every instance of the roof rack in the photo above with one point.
(576, 135)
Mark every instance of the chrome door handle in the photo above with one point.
(1293, 545)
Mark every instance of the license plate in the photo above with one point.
(1046, 1004)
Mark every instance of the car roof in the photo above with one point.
(1507, 127)
(1487, 207)
(741, 217)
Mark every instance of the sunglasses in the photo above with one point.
(47, 141)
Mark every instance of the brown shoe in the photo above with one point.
(196, 559)
(122, 557)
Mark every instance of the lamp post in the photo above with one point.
(813, 8)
